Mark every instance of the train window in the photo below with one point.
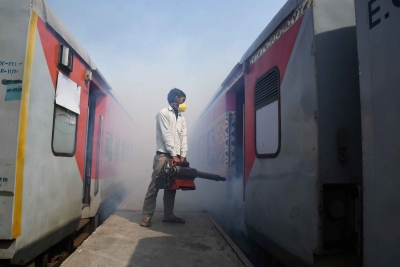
(128, 146)
(267, 114)
(211, 147)
(202, 149)
(64, 131)
(123, 150)
(116, 149)
(109, 142)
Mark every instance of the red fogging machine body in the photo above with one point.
(175, 176)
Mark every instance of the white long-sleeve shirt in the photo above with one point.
(171, 132)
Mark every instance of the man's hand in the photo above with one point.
(183, 159)
(176, 159)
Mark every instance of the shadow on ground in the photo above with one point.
(120, 241)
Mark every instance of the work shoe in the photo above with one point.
(174, 220)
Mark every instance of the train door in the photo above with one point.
(93, 144)
(239, 136)
(89, 147)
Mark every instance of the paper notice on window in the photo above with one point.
(68, 93)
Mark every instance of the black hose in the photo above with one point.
(210, 176)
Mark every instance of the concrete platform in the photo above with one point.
(120, 241)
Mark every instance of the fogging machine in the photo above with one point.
(175, 176)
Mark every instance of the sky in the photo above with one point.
(145, 48)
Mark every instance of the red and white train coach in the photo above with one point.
(285, 127)
(67, 145)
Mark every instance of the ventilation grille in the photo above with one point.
(267, 89)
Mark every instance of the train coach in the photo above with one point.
(306, 127)
(378, 25)
(67, 145)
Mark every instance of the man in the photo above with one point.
(171, 144)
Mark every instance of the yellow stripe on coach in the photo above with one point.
(23, 125)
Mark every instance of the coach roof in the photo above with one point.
(50, 18)
(283, 13)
